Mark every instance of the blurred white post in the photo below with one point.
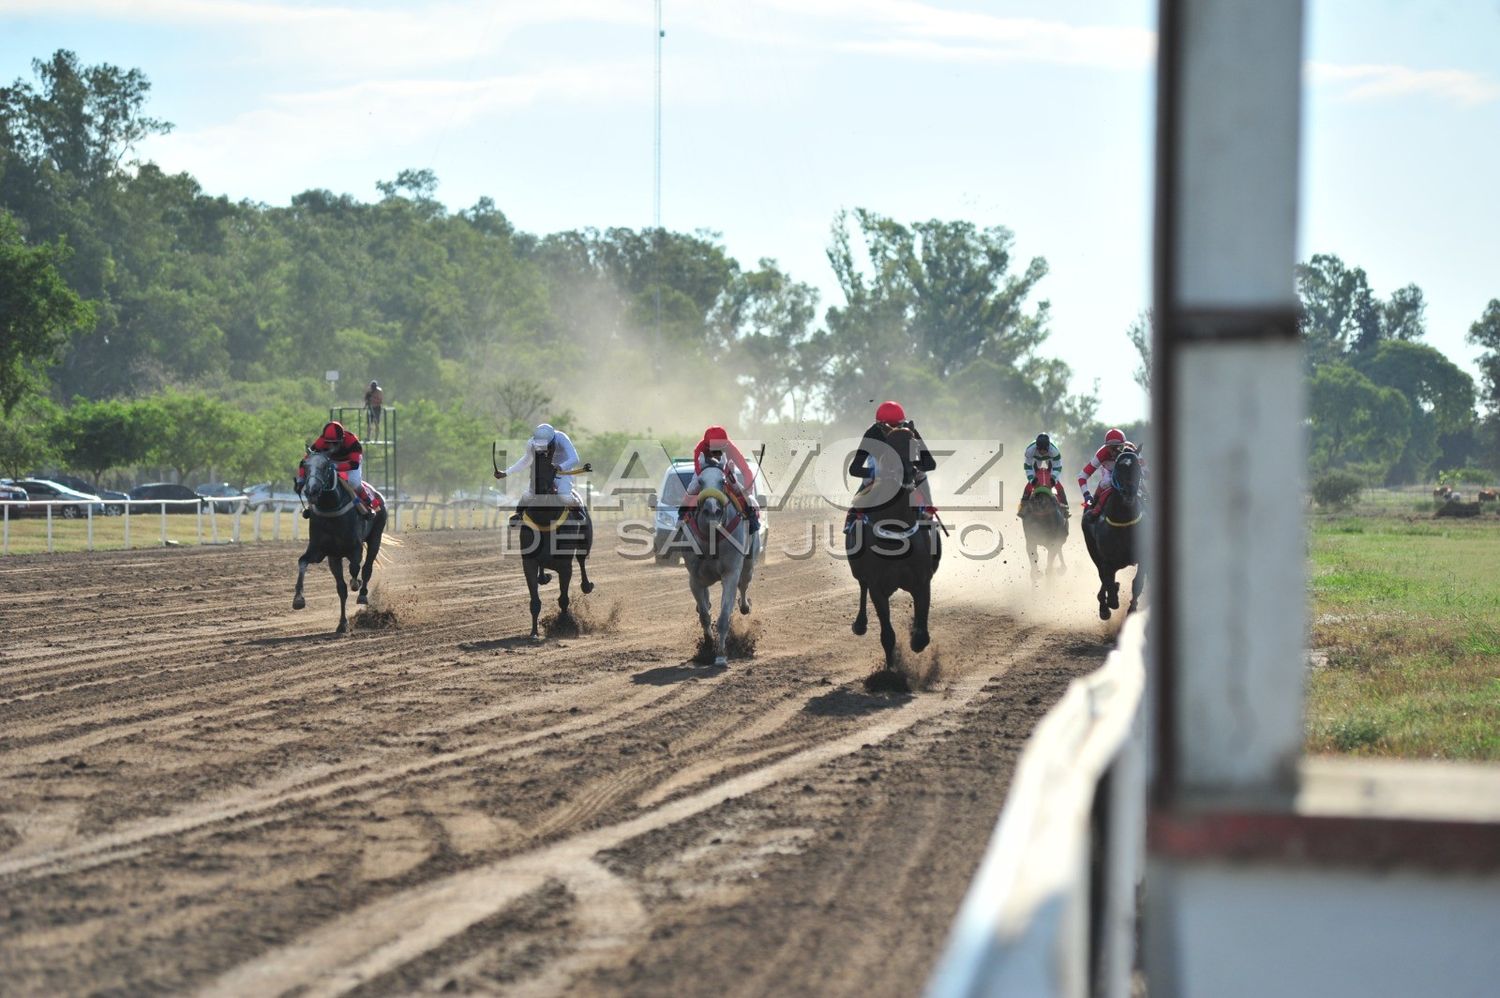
(163, 508)
(1230, 599)
(213, 523)
(5, 544)
(49, 528)
(275, 523)
(89, 513)
(198, 522)
(126, 518)
(296, 524)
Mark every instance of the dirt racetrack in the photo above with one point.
(201, 790)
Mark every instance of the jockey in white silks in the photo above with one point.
(546, 444)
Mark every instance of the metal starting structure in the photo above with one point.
(377, 432)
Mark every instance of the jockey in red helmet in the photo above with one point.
(1042, 451)
(1104, 463)
(347, 452)
(888, 416)
(739, 477)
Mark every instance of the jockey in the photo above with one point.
(890, 416)
(739, 479)
(1104, 463)
(344, 448)
(553, 445)
(1039, 450)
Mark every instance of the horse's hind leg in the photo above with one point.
(529, 569)
(1136, 585)
(921, 599)
(335, 565)
(862, 620)
(371, 550)
(882, 601)
(564, 583)
(747, 571)
(584, 584)
(726, 608)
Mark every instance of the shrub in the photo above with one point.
(1465, 476)
(1336, 488)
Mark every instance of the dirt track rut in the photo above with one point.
(202, 791)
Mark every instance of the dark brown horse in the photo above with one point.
(554, 533)
(338, 533)
(891, 546)
(1045, 522)
(1111, 532)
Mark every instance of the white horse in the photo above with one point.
(718, 549)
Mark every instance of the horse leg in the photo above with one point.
(1136, 585)
(529, 569)
(297, 601)
(861, 620)
(882, 601)
(583, 574)
(747, 569)
(921, 599)
(726, 607)
(335, 565)
(372, 548)
(1114, 592)
(564, 582)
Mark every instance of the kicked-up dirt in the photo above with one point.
(203, 791)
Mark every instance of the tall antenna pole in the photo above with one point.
(656, 202)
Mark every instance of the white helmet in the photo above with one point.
(542, 436)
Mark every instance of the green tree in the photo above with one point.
(1355, 421)
(1339, 311)
(1140, 332)
(98, 436)
(37, 311)
(28, 438)
(1485, 333)
(1441, 396)
(191, 432)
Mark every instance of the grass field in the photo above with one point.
(1406, 637)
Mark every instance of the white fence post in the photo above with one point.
(198, 522)
(163, 509)
(49, 528)
(126, 518)
(89, 513)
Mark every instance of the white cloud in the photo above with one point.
(1371, 82)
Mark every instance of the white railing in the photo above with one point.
(1051, 910)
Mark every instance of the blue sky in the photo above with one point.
(778, 113)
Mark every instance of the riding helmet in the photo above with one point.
(890, 412)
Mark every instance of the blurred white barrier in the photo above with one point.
(1051, 910)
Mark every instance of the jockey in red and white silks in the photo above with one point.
(1104, 463)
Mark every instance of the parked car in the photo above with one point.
(114, 503)
(674, 485)
(165, 490)
(40, 492)
(224, 498)
(261, 496)
(10, 492)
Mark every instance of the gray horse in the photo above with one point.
(717, 550)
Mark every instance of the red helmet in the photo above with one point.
(1114, 438)
(715, 435)
(333, 432)
(890, 412)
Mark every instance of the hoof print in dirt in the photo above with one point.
(887, 681)
(562, 625)
(376, 620)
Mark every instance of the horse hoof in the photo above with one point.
(744, 606)
(860, 626)
(919, 640)
(1114, 601)
(343, 627)
(587, 587)
(364, 598)
(542, 578)
(721, 661)
(298, 602)
(1103, 611)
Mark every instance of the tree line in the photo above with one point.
(149, 291)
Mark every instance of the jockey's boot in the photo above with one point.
(306, 513)
(515, 518)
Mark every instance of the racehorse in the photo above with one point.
(889, 544)
(719, 551)
(337, 532)
(1110, 534)
(553, 534)
(1045, 522)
